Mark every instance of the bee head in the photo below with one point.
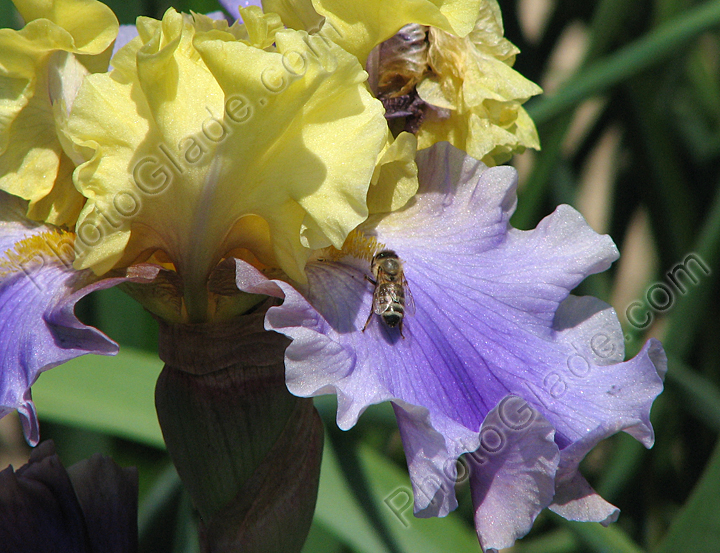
(388, 262)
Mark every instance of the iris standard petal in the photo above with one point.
(39, 74)
(296, 14)
(38, 292)
(493, 318)
(360, 26)
(210, 144)
(125, 34)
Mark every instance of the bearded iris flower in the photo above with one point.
(204, 141)
(218, 164)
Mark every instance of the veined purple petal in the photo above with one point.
(576, 500)
(38, 293)
(431, 457)
(493, 318)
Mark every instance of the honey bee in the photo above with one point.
(403, 60)
(395, 68)
(391, 297)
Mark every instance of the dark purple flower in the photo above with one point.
(90, 508)
(499, 361)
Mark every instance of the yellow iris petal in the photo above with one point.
(296, 14)
(473, 79)
(38, 71)
(209, 145)
(261, 27)
(359, 26)
(395, 179)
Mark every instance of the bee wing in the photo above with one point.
(409, 300)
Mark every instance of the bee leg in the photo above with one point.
(400, 327)
(368, 320)
(371, 281)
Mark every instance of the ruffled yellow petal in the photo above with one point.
(39, 70)
(481, 95)
(296, 14)
(359, 26)
(261, 27)
(211, 145)
(395, 179)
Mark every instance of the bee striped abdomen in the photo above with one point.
(389, 300)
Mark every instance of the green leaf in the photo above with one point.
(390, 486)
(697, 527)
(114, 395)
(601, 539)
(9, 16)
(339, 511)
(702, 395)
(322, 541)
(556, 541)
(114, 309)
(685, 316)
(641, 54)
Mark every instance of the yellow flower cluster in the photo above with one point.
(261, 140)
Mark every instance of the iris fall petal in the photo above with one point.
(38, 292)
(494, 318)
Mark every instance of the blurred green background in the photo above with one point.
(630, 129)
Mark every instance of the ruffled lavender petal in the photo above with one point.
(576, 500)
(488, 324)
(431, 458)
(512, 474)
(39, 329)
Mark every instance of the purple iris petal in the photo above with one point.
(125, 34)
(512, 473)
(38, 292)
(493, 319)
(233, 6)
